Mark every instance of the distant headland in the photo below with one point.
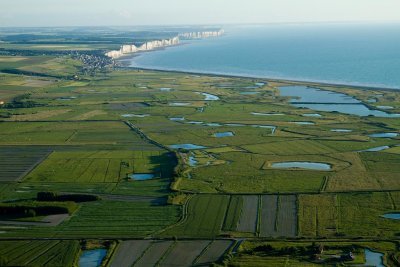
(155, 44)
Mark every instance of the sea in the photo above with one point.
(362, 54)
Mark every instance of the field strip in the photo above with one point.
(214, 252)
(128, 252)
(153, 254)
(268, 215)
(184, 253)
(287, 216)
(248, 218)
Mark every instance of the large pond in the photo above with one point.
(141, 176)
(322, 100)
(384, 135)
(376, 149)
(186, 146)
(92, 258)
(373, 258)
(210, 97)
(393, 216)
(302, 165)
(223, 134)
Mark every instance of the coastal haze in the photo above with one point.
(339, 53)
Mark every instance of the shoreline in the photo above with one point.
(283, 80)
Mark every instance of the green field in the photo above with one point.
(69, 127)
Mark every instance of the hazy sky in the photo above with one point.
(163, 12)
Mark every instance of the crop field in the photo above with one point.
(169, 253)
(15, 162)
(101, 166)
(356, 214)
(128, 252)
(38, 253)
(279, 253)
(233, 213)
(249, 216)
(205, 217)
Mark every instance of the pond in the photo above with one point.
(213, 124)
(306, 94)
(322, 100)
(384, 135)
(179, 104)
(177, 119)
(303, 122)
(373, 258)
(384, 107)
(92, 258)
(135, 115)
(224, 134)
(267, 114)
(341, 130)
(192, 161)
(312, 115)
(210, 97)
(393, 216)
(165, 89)
(376, 149)
(186, 146)
(141, 176)
(302, 165)
(259, 84)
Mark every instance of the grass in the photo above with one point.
(204, 218)
(101, 166)
(233, 212)
(39, 253)
(357, 214)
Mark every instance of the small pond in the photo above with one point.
(384, 135)
(302, 165)
(373, 258)
(192, 161)
(224, 134)
(384, 107)
(213, 124)
(267, 114)
(179, 104)
(186, 146)
(177, 119)
(372, 100)
(134, 115)
(195, 122)
(141, 176)
(92, 258)
(312, 115)
(165, 89)
(376, 149)
(393, 216)
(303, 122)
(341, 130)
(210, 97)
(259, 84)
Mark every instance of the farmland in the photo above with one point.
(67, 130)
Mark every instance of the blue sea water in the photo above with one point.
(358, 54)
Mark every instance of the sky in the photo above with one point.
(181, 12)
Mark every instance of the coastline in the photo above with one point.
(289, 81)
